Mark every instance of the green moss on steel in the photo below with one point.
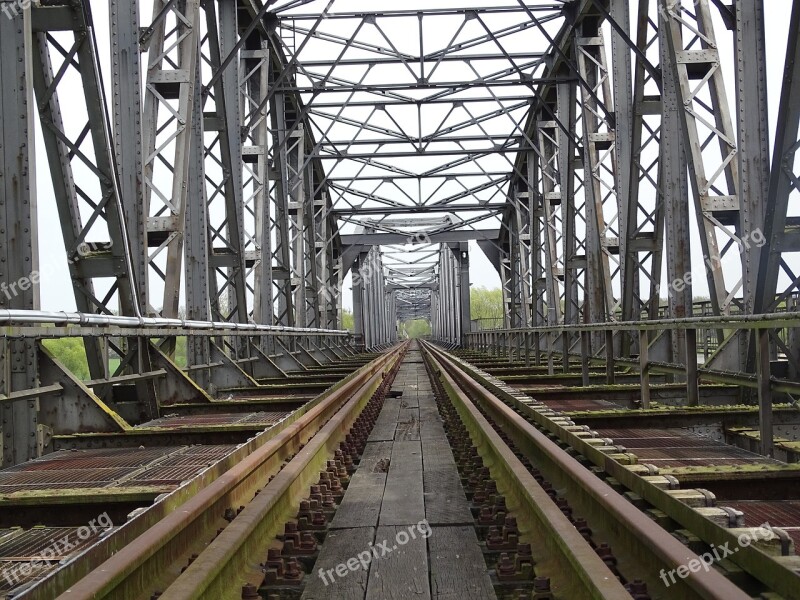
(82, 496)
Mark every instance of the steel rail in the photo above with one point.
(569, 553)
(229, 556)
(529, 418)
(135, 554)
(650, 543)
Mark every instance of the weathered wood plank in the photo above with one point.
(445, 502)
(403, 502)
(340, 545)
(458, 571)
(408, 424)
(386, 423)
(436, 453)
(403, 572)
(362, 501)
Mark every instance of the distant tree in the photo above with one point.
(347, 320)
(71, 353)
(415, 328)
(486, 303)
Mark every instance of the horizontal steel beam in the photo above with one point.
(766, 321)
(493, 98)
(446, 58)
(506, 139)
(82, 324)
(417, 209)
(452, 86)
(387, 239)
(429, 12)
(467, 153)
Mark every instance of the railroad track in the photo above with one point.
(518, 500)
(650, 521)
(137, 559)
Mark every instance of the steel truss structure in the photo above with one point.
(251, 159)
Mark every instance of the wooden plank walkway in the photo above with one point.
(413, 516)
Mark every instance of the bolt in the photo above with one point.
(638, 590)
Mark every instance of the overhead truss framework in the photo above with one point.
(244, 137)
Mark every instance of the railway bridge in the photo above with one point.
(253, 364)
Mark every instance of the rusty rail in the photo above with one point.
(653, 547)
(138, 553)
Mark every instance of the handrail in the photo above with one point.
(62, 318)
(760, 321)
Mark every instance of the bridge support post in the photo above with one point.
(19, 260)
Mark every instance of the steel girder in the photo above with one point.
(335, 85)
(169, 128)
(89, 204)
(223, 163)
(600, 165)
(778, 282)
(632, 157)
(374, 307)
(643, 228)
(254, 76)
(19, 253)
(449, 299)
(711, 144)
(547, 215)
(573, 202)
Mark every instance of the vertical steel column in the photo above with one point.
(644, 368)
(751, 118)
(173, 48)
(195, 228)
(537, 228)
(322, 290)
(223, 166)
(710, 141)
(643, 228)
(358, 298)
(623, 156)
(279, 230)
(255, 65)
(297, 209)
(763, 372)
(692, 380)
(780, 224)
(674, 190)
(464, 291)
(550, 199)
(573, 208)
(127, 113)
(602, 203)
(19, 260)
(609, 348)
(97, 247)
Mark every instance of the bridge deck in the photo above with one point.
(405, 501)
